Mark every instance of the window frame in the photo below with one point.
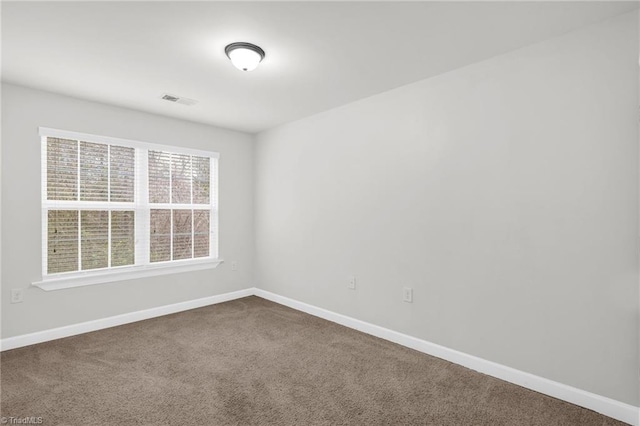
(141, 207)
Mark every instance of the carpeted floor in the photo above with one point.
(254, 362)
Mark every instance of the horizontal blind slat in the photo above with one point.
(159, 176)
(62, 169)
(122, 238)
(62, 241)
(201, 223)
(122, 163)
(182, 234)
(94, 171)
(180, 178)
(94, 239)
(201, 179)
(160, 235)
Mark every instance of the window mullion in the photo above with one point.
(109, 239)
(87, 205)
(170, 178)
(213, 206)
(193, 234)
(109, 173)
(142, 220)
(79, 240)
(193, 230)
(79, 214)
(78, 175)
(181, 206)
(109, 210)
(45, 212)
(45, 242)
(171, 233)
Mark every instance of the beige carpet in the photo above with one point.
(253, 362)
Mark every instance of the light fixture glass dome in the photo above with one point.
(244, 56)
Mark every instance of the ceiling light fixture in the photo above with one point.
(244, 56)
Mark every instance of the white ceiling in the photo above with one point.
(319, 55)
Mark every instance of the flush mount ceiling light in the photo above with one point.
(244, 56)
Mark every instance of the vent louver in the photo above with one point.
(170, 98)
(178, 99)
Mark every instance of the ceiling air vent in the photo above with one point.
(170, 98)
(178, 99)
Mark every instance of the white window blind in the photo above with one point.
(111, 204)
(180, 194)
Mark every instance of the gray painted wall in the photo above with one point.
(23, 111)
(504, 193)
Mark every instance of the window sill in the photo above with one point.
(90, 278)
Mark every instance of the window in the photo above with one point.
(113, 206)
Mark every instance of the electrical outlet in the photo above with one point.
(17, 295)
(234, 266)
(351, 284)
(407, 294)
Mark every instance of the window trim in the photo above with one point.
(140, 203)
(65, 134)
(122, 273)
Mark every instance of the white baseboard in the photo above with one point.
(99, 324)
(607, 406)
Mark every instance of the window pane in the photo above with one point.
(93, 171)
(201, 233)
(122, 238)
(94, 239)
(160, 238)
(62, 241)
(182, 234)
(62, 169)
(123, 171)
(201, 180)
(180, 178)
(159, 180)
